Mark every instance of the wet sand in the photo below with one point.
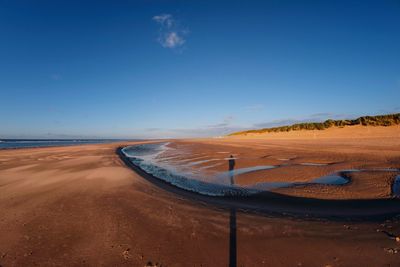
(303, 159)
(82, 206)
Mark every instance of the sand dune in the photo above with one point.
(348, 132)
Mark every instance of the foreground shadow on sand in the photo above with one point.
(232, 238)
(232, 221)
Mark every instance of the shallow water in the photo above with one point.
(146, 157)
(193, 163)
(190, 176)
(245, 170)
(332, 179)
(313, 164)
(396, 186)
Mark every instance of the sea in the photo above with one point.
(24, 143)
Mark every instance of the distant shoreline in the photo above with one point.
(38, 143)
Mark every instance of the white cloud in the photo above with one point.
(171, 40)
(165, 20)
(171, 35)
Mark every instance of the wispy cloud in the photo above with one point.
(277, 123)
(227, 121)
(323, 115)
(224, 127)
(388, 110)
(252, 108)
(165, 20)
(317, 117)
(228, 125)
(171, 34)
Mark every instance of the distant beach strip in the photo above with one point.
(30, 143)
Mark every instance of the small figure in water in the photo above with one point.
(231, 168)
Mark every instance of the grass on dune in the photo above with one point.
(380, 120)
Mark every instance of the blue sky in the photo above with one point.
(136, 69)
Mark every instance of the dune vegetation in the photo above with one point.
(380, 120)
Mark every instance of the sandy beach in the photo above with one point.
(200, 133)
(305, 155)
(83, 206)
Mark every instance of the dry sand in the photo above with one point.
(81, 206)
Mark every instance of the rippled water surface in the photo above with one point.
(189, 171)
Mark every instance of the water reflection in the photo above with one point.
(396, 186)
